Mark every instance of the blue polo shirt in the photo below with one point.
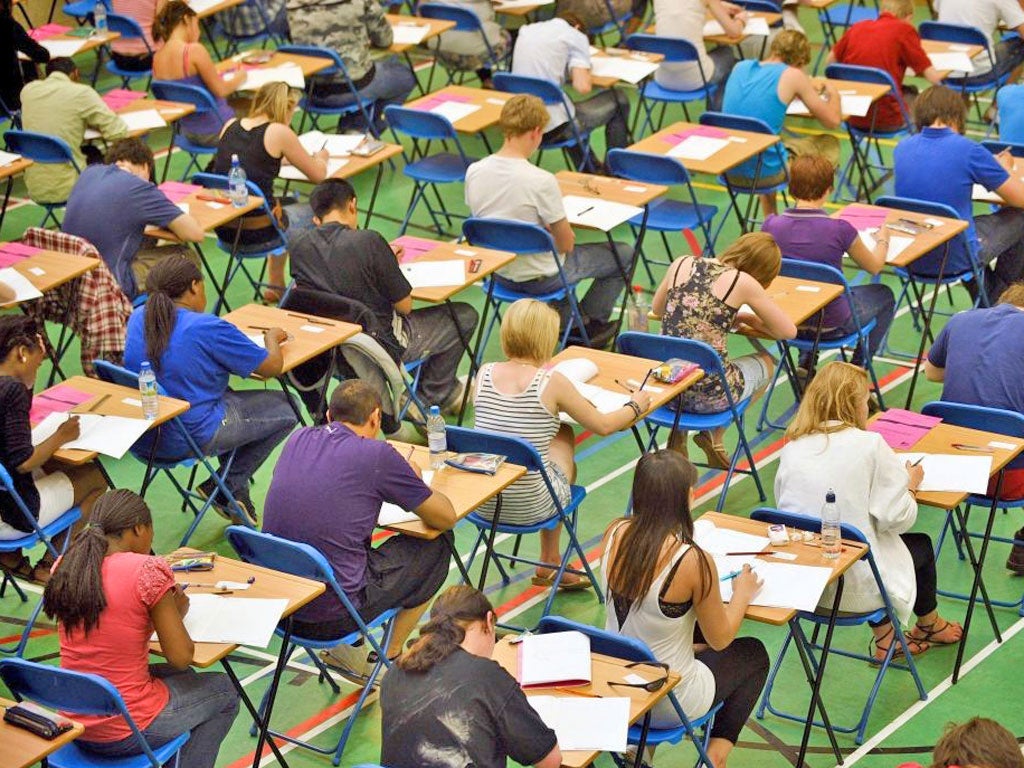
(203, 352)
(940, 166)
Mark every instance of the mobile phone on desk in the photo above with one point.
(368, 147)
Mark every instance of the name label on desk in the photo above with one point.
(808, 288)
(311, 329)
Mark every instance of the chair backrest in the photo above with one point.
(465, 19)
(127, 27)
(319, 52)
(7, 486)
(40, 147)
(196, 95)
(674, 49)
(516, 450)
(654, 346)
(549, 92)
(420, 124)
(961, 259)
(601, 641)
(953, 33)
(815, 271)
(872, 75)
(503, 234)
(116, 374)
(764, 6)
(995, 146)
(998, 420)
(646, 167)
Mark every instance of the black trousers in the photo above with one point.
(923, 555)
(740, 672)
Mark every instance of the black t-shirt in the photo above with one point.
(466, 712)
(354, 263)
(15, 450)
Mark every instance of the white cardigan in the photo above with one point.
(871, 491)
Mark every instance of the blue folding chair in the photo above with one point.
(315, 109)
(835, 19)
(820, 618)
(155, 463)
(518, 451)
(84, 694)
(306, 562)
(205, 104)
(676, 50)
(824, 273)
(45, 150)
(82, 10)
(261, 36)
(1002, 422)
(697, 730)
(425, 169)
(465, 20)
(664, 214)
(866, 157)
(615, 23)
(966, 35)
(522, 239)
(747, 220)
(36, 535)
(655, 347)
(552, 95)
(129, 29)
(238, 255)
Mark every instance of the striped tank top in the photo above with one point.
(519, 415)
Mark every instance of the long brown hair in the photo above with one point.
(834, 395)
(453, 610)
(74, 595)
(168, 18)
(979, 741)
(170, 279)
(661, 511)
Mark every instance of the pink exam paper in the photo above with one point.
(12, 253)
(414, 246)
(176, 191)
(436, 101)
(705, 130)
(910, 418)
(898, 436)
(59, 399)
(862, 217)
(120, 97)
(47, 31)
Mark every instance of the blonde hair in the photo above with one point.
(755, 253)
(521, 114)
(834, 394)
(530, 330)
(792, 48)
(275, 101)
(901, 9)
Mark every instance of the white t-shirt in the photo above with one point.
(514, 188)
(986, 15)
(550, 50)
(685, 19)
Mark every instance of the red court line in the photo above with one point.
(33, 633)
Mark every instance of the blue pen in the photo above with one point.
(733, 575)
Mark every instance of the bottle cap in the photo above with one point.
(234, 158)
(145, 364)
(830, 497)
(435, 410)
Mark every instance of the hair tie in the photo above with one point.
(97, 526)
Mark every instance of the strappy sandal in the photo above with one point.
(715, 453)
(25, 570)
(564, 586)
(916, 647)
(927, 633)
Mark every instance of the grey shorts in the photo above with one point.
(755, 374)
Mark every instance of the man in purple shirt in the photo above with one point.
(327, 491)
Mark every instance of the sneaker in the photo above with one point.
(208, 489)
(353, 663)
(453, 404)
(1015, 562)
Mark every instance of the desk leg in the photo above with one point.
(489, 552)
(264, 726)
(926, 322)
(7, 191)
(450, 541)
(476, 353)
(627, 274)
(373, 195)
(638, 759)
(818, 677)
(250, 708)
(221, 298)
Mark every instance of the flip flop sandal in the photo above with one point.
(564, 586)
(916, 647)
(715, 453)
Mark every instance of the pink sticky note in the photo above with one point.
(59, 399)
(450, 97)
(910, 418)
(862, 217)
(414, 246)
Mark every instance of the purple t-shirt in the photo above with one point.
(808, 234)
(327, 490)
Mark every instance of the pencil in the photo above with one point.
(97, 404)
(574, 692)
(645, 379)
(738, 554)
(412, 449)
(624, 386)
(917, 462)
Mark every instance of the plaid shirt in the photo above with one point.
(246, 20)
(100, 310)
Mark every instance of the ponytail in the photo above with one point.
(169, 280)
(454, 610)
(74, 595)
(168, 18)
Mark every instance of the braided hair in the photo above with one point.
(453, 610)
(17, 331)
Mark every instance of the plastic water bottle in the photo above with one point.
(639, 307)
(147, 391)
(831, 536)
(99, 18)
(237, 190)
(437, 440)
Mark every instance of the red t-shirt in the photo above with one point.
(884, 43)
(118, 647)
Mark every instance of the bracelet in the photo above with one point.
(913, 493)
(637, 410)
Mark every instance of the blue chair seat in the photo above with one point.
(318, 105)
(673, 215)
(31, 538)
(577, 494)
(666, 417)
(836, 343)
(837, 15)
(507, 295)
(73, 756)
(444, 168)
(652, 90)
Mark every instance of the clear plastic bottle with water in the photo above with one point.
(237, 190)
(639, 308)
(831, 535)
(437, 439)
(147, 392)
(99, 18)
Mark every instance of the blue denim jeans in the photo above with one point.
(1001, 237)
(873, 301)
(392, 83)
(255, 421)
(203, 703)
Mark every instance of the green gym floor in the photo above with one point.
(901, 727)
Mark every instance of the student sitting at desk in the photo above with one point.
(558, 47)
(764, 89)
(112, 204)
(183, 58)
(993, 18)
(940, 152)
(193, 354)
(661, 585)
(506, 185)
(979, 359)
(700, 299)
(829, 449)
(63, 107)
(109, 594)
(465, 51)
(48, 489)
(890, 43)
(327, 491)
(807, 233)
(446, 703)
(523, 398)
(131, 53)
(262, 140)
(338, 258)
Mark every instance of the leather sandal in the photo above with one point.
(915, 646)
(715, 453)
(943, 635)
(565, 586)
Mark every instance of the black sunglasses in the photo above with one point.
(652, 686)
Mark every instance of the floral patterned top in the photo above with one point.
(692, 311)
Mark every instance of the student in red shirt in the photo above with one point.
(889, 42)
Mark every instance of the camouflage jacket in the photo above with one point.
(350, 27)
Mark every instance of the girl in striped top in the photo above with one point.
(522, 398)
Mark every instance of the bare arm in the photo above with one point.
(437, 512)
(581, 80)
(65, 433)
(795, 83)
(214, 83)
(871, 260)
(553, 759)
(719, 622)
(728, 15)
(933, 372)
(1012, 192)
(774, 321)
(565, 238)
(565, 397)
(187, 229)
(7, 294)
(660, 301)
(274, 361)
(932, 76)
(282, 142)
(167, 616)
(404, 306)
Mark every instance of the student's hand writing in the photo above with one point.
(915, 476)
(415, 467)
(181, 602)
(399, 250)
(732, 9)
(1006, 160)
(643, 399)
(68, 431)
(746, 585)
(275, 335)
(323, 155)
(748, 319)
